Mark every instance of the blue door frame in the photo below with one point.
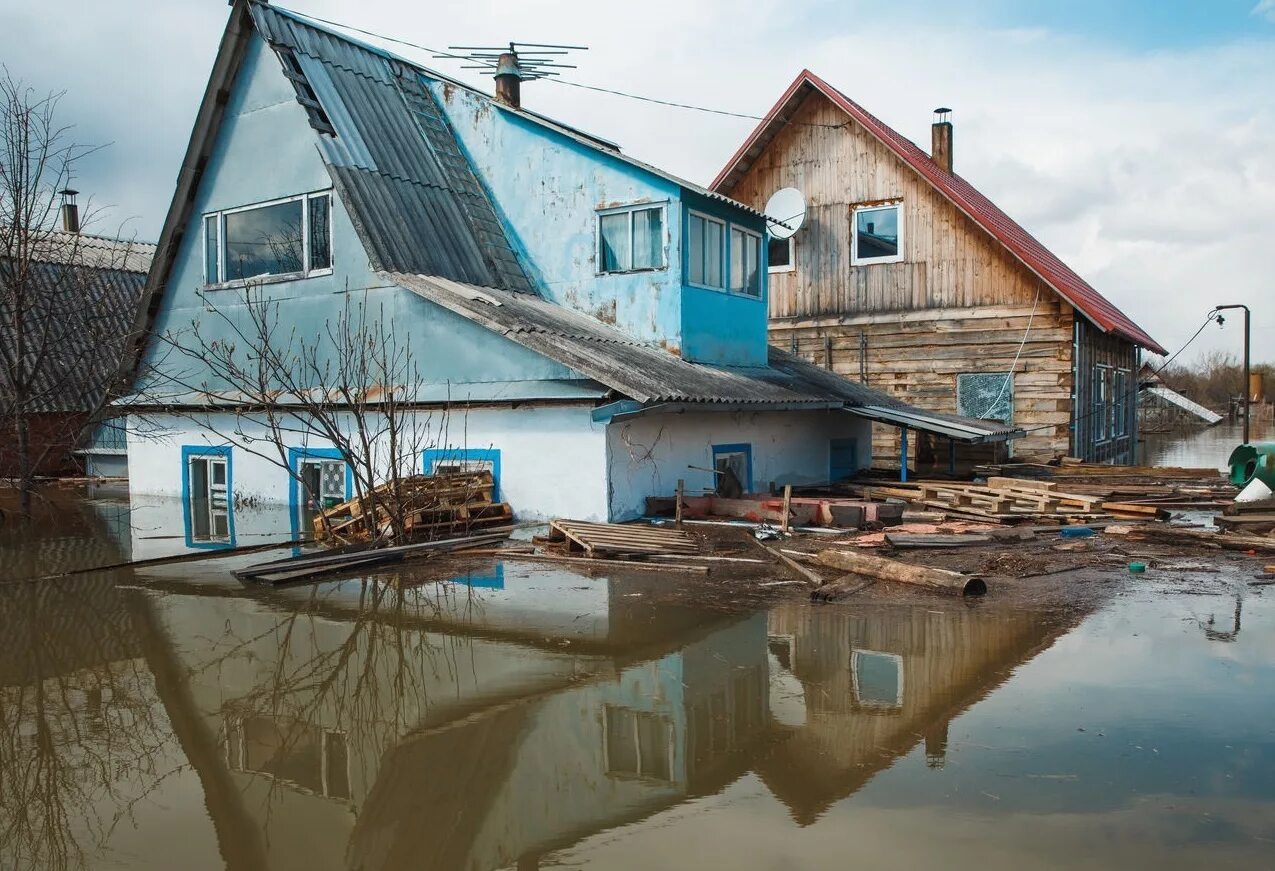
(295, 456)
(218, 452)
(491, 455)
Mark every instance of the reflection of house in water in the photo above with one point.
(853, 689)
(474, 726)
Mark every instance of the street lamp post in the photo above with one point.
(1246, 361)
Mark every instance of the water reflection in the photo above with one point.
(1197, 448)
(514, 716)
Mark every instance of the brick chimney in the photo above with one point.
(941, 138)
(70, 211)
(509, 80)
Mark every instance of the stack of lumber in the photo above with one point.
(606, 540)
(432, 506)
(1010, 500)
(825, 511)
(1171, 488)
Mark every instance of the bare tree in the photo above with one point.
(353, 384)
(60, 296)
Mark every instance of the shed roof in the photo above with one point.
(86, 293)
(649, 374)
(1022, 245)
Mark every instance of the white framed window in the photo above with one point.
(876, 234)
(631, 239)
(781, 254)
(208, 483)
(705, 251)
(639, 744)
(286, 238)
(745, 261)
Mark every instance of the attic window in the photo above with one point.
(289, 238)
(305, 93)
(877, 234)
(631, 239)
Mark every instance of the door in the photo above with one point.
(843, 459)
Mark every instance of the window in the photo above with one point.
(207, 494)
(638, 744)
(1119, 425)
(291, 238)
(442, 461)
(734, 467)
(631, 240)
(1101, 390)
(745, 262)
(780, 255)
(878, 679)
(985, 396)
(878, 235)
(704, 241)
(314, 759)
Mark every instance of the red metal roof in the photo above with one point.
(1025, 247)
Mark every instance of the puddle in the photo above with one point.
(526, 716)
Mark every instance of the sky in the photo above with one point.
(1135, 138)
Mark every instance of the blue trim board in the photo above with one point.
(222, 452)
(495, 580)
(746, 450)
(492, 455)
(295, 456)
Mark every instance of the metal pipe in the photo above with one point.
(903, 453)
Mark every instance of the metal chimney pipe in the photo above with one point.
(509, 80)
(941, 139)
(70, 211)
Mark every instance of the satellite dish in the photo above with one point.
(785, 212)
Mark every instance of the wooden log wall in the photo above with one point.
(917, 356)
(957, 303)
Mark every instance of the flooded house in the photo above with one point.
(904, 276)
(69, 298)
(1163, 409)
(589, 328)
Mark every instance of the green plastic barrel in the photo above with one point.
(1253, 461)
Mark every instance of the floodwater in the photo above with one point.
(524, 716)
(1200, 447)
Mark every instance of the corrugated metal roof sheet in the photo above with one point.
(1174, 398)
(1025, 247)
(87, 291)
(650, 374)
(412, 195)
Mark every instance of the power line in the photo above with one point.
(489, 65)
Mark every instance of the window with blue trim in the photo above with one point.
(443, 461)
(733, 465)
(207, 496)
(321, 478)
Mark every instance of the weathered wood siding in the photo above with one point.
(1106, 427)
(957, 303)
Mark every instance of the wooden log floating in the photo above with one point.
(939, 580)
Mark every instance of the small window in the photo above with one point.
(208, 507)
(1120, 403)
(878, 679)
(631, 240)
(878, 235)
(1101, 390)
(779, 255)
(212, 249)
(733, 468)
(638, 744)
(287, 238)
(745, 263)
(985, 395)
(704, 251)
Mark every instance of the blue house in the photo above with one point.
(586, 326)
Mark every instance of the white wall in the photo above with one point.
(552, 458)
(646, 455)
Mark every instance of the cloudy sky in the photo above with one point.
(1136, 138)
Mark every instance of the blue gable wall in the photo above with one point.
(548, 189)
(265, 150)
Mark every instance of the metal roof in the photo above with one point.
(353, 54)
(650, 374)
(1022, 245)
(87, 290)
(410, 192)
(1174, 398)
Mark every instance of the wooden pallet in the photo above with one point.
(619, 538)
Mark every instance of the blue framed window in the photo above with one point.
(737, 460)
(320, 479)
(843, 459)
(208, 510)
(444, 460)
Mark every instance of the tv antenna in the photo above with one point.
(527, 60)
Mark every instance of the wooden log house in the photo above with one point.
(907, 278)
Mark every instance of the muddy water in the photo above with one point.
(1198, 448)
(523, 716)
